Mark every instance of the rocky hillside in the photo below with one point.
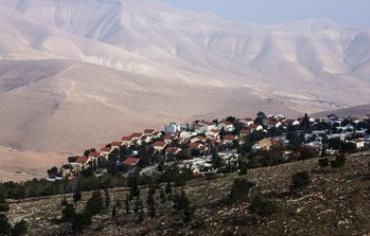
(336, 202)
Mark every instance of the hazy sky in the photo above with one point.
(266, 11)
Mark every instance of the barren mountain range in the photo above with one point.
(77, 73)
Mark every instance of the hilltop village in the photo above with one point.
(221, 146)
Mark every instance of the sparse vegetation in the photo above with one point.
(301, 179)
(339, 161)
(240, 189)
(324, 162)
(262, 206)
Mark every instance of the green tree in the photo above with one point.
(5, 226)
(68, 212)
(324, 162)
(81, 221)
(138, 205)
(216, 160)
(162, 196)
(240, 189)
(114, 212)
(151, 203)
(133, 183)
(168, 188)
(107, 198)
(127, 204)
(95, 204)
(141, 215)
(77, 194)
(182, 205)
(20, 228)
(262, 206)
(307, 153)
(339, 162)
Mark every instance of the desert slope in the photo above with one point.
(77, 105)
(77, 73)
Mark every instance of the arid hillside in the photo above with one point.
(336, 202)
(81, 72)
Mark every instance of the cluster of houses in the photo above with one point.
(194, 145)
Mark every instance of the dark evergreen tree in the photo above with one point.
(5, 226)
(20, 228)
(77, 193)
(240, 189)
(216, 160)
(133, 183)
(339, 162)
(182, 205)
(141, 215)
(163, 196)
(95, 204)
(114, 212)
(138, 205)
(107, 198)
(324, 162)
(305, 123)
(168, 188)
(151, 203)
(68, 212)
(127, 204)
(301, 179)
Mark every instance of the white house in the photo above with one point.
(173, 128)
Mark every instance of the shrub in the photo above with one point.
(95, 204)
(243, 168)
(240, 189)
(5, 227)
(307, 153)
(338, 162)
(324, 162)
(182, 205)
(263, 206)
(20, 228)
(68, 212)
(301, 179)
(211, 176)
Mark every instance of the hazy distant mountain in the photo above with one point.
(356, 111)
(79, 72)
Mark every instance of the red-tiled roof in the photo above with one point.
(168, 137)
(105, 149)
(136, 135)
(195, 145)
(149, 131)
(82, 159)
(116, 144)
(159, 144)
(131, 161)
(229, 137)
(126, 138)
(245, 131)
(173, 150)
